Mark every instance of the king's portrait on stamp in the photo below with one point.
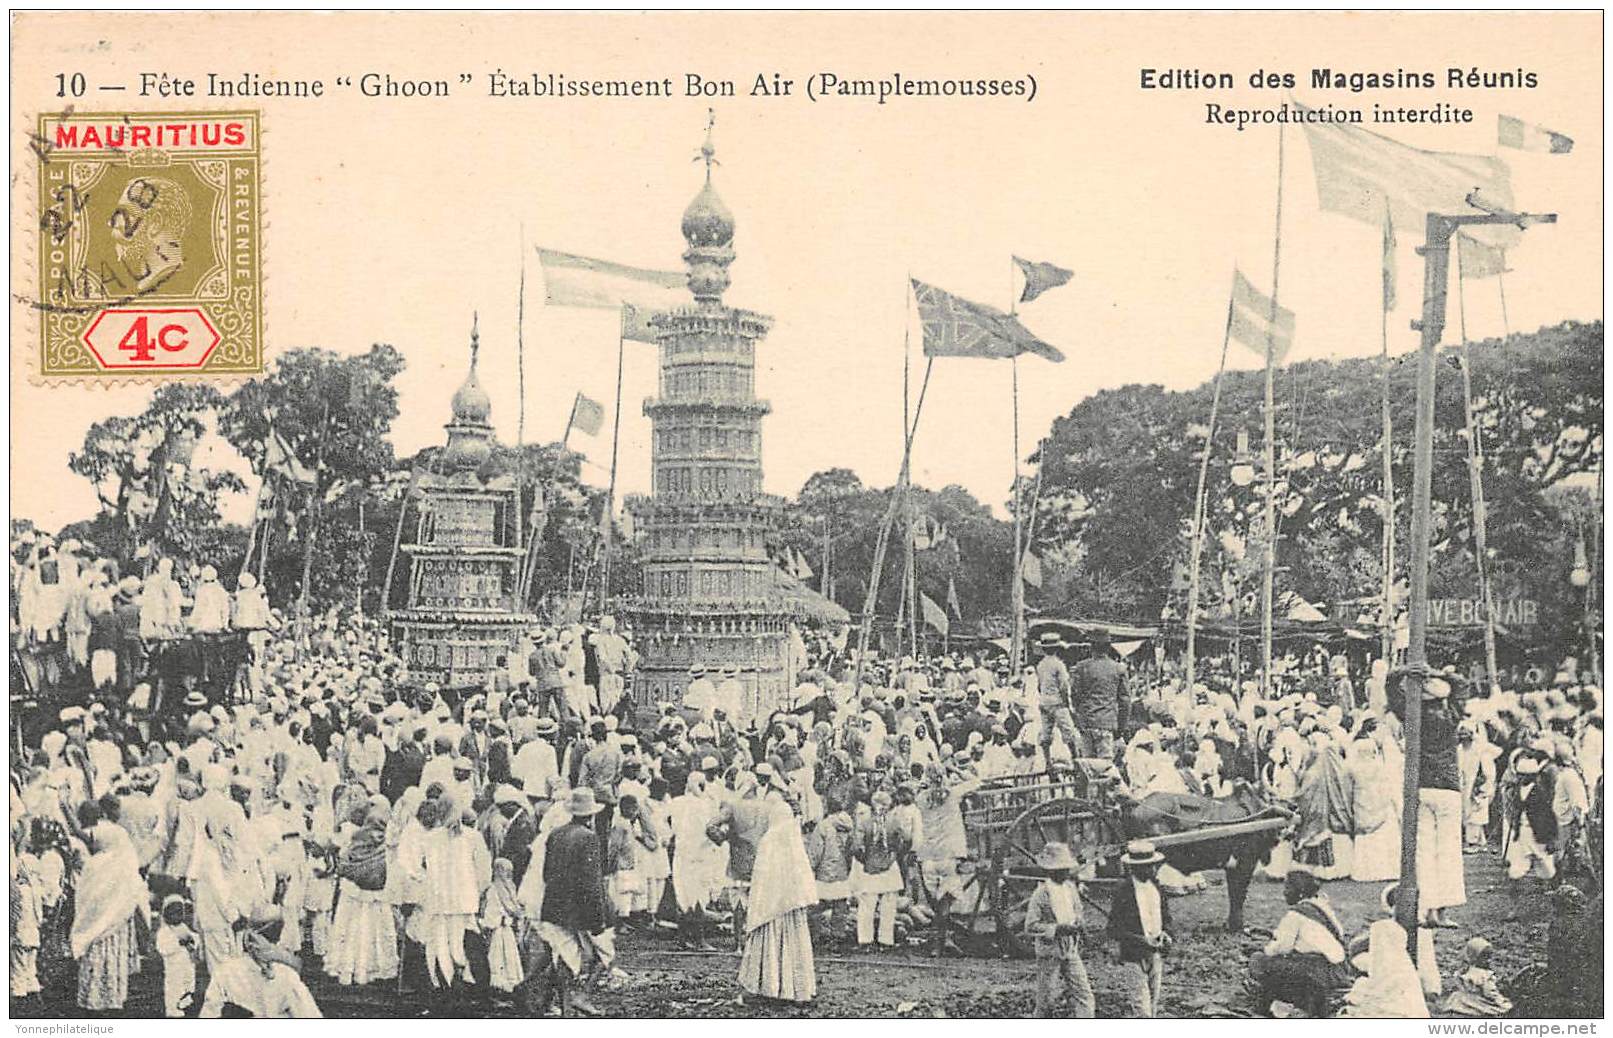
(150, 244)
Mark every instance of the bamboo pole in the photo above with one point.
(1267, 583)
(1387, 557)
(883, 541)
(520, 413)
(606, 526)
(1475, 478)
(1196, 552)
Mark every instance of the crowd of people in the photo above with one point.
(312, 822)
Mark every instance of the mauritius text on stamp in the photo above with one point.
(149, 244)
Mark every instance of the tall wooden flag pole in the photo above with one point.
(1017, 591)
(607, 524)
(882, 543)
(1196, 551)
(1271, 445)
(1436, 272)
(1475, 479)
(520, 407)
(1387, 557)
(909, 600)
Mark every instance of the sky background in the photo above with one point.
(396, 220)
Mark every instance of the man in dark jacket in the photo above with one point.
(1097, 686)
(404, 765)
(547, 665)
(1440, 881)
(575, 910)
(1139, 922)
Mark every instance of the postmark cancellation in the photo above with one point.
(150, 235)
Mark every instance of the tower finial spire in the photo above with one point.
(708, 150)
(475, 339)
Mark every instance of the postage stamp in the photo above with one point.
(150, 238)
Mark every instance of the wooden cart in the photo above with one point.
(1009, 821)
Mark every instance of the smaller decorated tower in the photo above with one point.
(463, 607)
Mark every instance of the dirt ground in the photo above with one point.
(1203, 975)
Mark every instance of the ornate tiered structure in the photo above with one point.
(709, 594)
(463, 606)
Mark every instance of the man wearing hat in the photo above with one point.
(615, 658)
(131, 650)
(536, 764)
(1139, 922)
(547, 665)
(1098, 688)
(701, 694)
(574, 920)
(1053, 922)
(601, 772)
(731, 696)
(1053, 696)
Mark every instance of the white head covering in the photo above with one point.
(1391, 988)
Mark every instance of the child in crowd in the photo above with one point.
(828, 846)
(1476, 992)
(501, 908)
(176, 943)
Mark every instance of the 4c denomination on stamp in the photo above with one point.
(150, 231)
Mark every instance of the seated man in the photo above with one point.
(1303, 963)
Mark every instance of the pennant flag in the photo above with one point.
(934, 615)
(1478, 260)
(599, 284)
(952, 598)
(1515, 133)
(928, 533)
(280, 459)
(1030, 571)
(1259, 323)
(1039, 277)
(587, 415)
(799, 568)
(1390, 269)
(636, 326)
(1358, 172)
(956, 327)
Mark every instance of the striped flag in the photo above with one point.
(1358, 172)
(1515, 133)
(1258, 322)
(636, 293)
(956, 327)
(1039, 277)
(587, 415)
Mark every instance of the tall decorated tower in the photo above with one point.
(463, 606)
(709, 596)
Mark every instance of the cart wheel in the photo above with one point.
(1009, 904)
